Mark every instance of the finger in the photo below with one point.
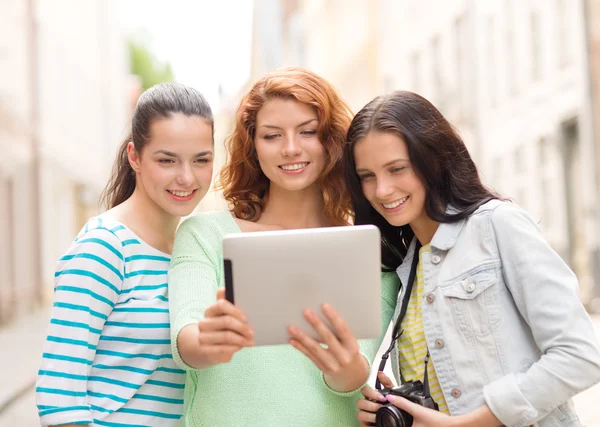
(366, 418)
(372, 394)
(224, 338)
(385, 380)
(328, 337)
(340, 327)
(226, 323)
(314, 349)
(367, 405)
(406, 405)
(220, 293)
(298, 346)
(223, 307)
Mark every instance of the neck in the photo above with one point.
(424, 229)
(294, 209)
(146, 219)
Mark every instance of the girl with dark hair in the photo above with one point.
(284, 172)
(488, 313)
(107, 360)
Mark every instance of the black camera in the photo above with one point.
(390, 416)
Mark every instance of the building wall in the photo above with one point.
(16, 214)
(512, 76)
(63, 111)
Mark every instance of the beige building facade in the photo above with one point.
(512, 76)
(63, 110)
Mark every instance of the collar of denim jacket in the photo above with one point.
(447, 233)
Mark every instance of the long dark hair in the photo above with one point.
(160, 101)
(438, 155)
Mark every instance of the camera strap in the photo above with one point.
(396, 333)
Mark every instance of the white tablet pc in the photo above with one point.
(273, 276)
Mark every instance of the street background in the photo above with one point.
(520, 80)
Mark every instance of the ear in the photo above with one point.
(133, 157)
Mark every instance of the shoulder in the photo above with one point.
(98, 240)
(204, 221)
(203, 231)
(506, 221)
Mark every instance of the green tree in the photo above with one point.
(145, 64)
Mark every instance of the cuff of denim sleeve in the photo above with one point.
(345, 393)
(505, 400)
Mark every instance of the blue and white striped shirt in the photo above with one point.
(107, 359)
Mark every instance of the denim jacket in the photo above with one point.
(503, 321)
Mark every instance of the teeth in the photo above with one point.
(394, 204)
(294, 167)
(181, 193)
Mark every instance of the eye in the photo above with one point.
(271, 136)
(398, 169)
(166, 161)
(308, 132)
(203, 160)
(365, 176)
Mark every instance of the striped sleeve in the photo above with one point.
(87, 285)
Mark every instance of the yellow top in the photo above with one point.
(412, 347)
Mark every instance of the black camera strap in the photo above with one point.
(396, 333)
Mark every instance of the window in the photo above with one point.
(491, 61)
(415, 66)
(436, 68)
(536, 48)
(509, 41)
(545, 183)
(565, 52)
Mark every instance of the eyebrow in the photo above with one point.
(391, 162)
(170, 154)
(300, 125)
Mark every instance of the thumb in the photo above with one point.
(405, 404)
(384, 380)
(221, 293)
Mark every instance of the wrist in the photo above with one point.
(351, 378)
(480, 417)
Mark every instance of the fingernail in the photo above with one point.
(309, 314)
(292, 330)
(381, 398)
(390, 398)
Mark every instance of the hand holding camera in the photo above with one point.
(403, 406)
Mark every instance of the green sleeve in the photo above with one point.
(193, 278)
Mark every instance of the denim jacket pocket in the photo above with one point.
(472, 300)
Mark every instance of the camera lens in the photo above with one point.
(388, 420)
(390, 416)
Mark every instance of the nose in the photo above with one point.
(384, 188)
(291, 147)
(185, 177)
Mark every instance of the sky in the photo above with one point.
(208, 42)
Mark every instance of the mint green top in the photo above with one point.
(267, 386)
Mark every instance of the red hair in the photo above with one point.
(244, 184)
